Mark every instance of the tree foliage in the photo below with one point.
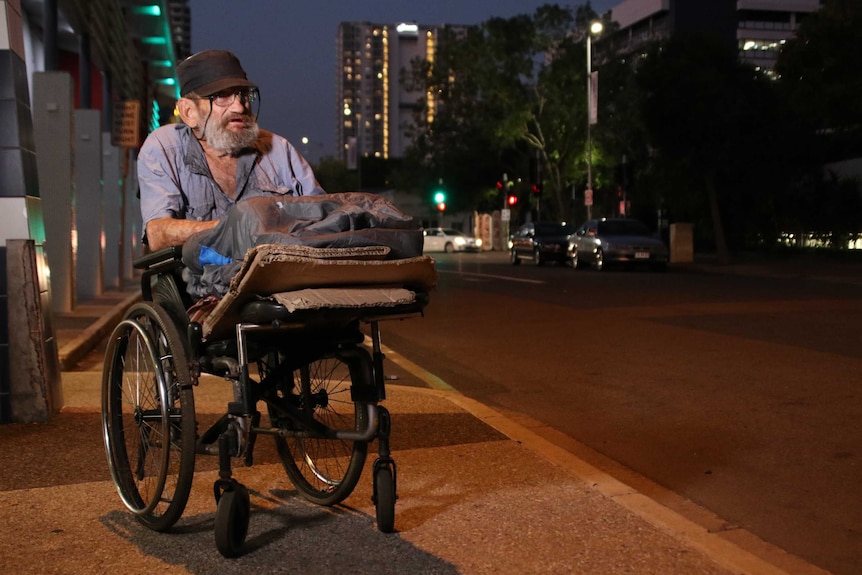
(819, 68)
(819, 78)
(723, 140)
(333, 175)
(509, 89)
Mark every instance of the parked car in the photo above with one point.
(540, 242)
(448, 240)
(616, 240)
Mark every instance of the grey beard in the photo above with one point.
(229, 142)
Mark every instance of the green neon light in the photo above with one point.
(147, 10)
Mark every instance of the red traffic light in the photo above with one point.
(512, 200)
(441, 206)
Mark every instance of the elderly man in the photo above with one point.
(191, 173)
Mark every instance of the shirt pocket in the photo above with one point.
(201, 212)
(201, 202)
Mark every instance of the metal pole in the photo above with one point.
(504, 225)
(49, 31)
(589, 112)
(85, 78)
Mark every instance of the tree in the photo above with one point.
(819, 68)
(818, 74)
(457, 146)
(620, 135)
(512, 87)
(333, 175)
(708, 116)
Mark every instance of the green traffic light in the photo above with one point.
(439, 197)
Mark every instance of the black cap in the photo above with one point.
(209, 72)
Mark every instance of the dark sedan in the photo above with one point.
(540, 242)
(616, 240)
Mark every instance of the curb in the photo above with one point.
(71, 353)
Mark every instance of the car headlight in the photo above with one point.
(460, 241)
(478, 242)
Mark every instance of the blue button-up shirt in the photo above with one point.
(176, 182)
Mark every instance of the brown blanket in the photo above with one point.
(293, 273)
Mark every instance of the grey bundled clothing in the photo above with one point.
(345, 220)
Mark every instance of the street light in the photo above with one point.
(308, 145)
(595, 28)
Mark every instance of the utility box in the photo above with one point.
(681, 243)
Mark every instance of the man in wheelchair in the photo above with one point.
(296, 274)
(192, 172)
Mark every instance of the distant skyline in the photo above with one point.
(289, 49)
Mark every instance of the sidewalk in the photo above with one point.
(478, 493)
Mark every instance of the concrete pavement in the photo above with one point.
(479, 492)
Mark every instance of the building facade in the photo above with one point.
(763, 26)
(374, 111)
(757, 27)
(81, 82)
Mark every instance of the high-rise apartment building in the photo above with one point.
(374, 111)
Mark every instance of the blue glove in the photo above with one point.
(212, 257)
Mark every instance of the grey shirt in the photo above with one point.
(176, 182)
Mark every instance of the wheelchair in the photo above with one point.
(319, 383)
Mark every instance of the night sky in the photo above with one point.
(288, 48)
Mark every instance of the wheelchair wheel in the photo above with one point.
(148, 416)
(231, 521)
(384, 498)
(325, 470)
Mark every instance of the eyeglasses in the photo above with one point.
(225, 98)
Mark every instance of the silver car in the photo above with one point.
(448, 240)
(616, 240)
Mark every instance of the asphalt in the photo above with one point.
(479, 492)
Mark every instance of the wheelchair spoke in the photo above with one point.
(313, 403)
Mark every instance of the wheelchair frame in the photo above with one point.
(304, 359)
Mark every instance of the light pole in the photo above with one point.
(595, 28)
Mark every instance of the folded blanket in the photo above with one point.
(272, 270)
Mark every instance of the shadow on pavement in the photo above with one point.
(285, 536)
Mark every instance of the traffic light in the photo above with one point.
(512, 200)
(440, 200)
(536, 189)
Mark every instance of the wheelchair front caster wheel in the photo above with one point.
(384, 498)
(231, 520)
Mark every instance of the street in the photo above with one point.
(731, 399)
